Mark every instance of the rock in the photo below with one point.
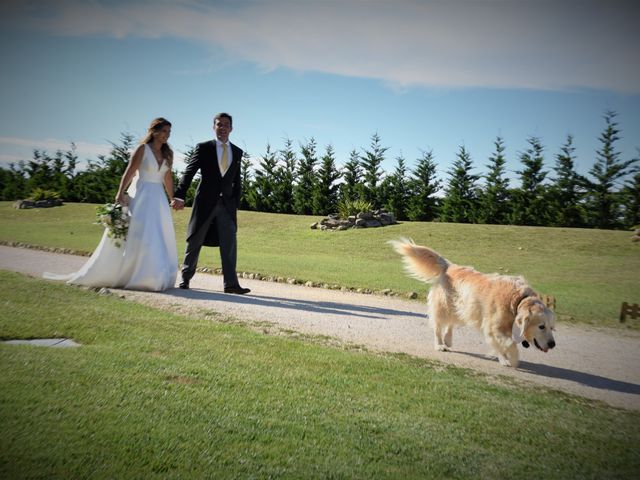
(24, 204)
(379, 218)
(331, 222)
(373, 223)
(47, 203)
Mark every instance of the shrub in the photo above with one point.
(42, 194)
(347, 207)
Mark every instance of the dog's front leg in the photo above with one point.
(510, 357)
(505, 349)
(448, 336)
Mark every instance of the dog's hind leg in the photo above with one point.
(438, 315)
(440, 342)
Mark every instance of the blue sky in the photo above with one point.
(424, 75)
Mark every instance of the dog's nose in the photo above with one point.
(551, 344)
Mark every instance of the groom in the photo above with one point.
(215, 208)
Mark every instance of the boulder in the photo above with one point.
(378, 218)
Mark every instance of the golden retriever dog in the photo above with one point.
(504, 308)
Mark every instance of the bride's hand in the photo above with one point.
(123, 199)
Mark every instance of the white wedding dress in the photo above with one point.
(147, 259)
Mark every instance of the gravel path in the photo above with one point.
(593, 363)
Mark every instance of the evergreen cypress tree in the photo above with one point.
(461, 203)
(53, 173)
(5, 180)
(40, 171)
(371, 161)
(568, 210)
(604, 203)
(423, 185)
(631, 194)
(263, 192)
(494, 202)
(395, 190)
(67, 174)
(325, 192)
(303, 190)
(100, 181)
(13, 183)
(530, 205)
(245, 181)
(191, 192)
(352, 187)
(285, 176)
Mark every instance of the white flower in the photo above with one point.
(115, 219)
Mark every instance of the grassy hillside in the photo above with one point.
(590, 272)
(151, 394)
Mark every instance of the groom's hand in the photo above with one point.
(177, 204)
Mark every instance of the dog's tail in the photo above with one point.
(420, 262)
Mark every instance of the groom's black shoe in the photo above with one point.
(184, 284)
(237, 290)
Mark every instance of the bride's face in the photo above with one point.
(163, 134)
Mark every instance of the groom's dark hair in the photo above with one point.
(223, 115)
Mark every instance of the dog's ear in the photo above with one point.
(522, 320)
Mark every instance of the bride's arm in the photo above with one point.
(127, 176)
(168, 184)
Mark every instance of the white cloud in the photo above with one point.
(539, 44)
(6, 160)
(21, 149)
(84, 150)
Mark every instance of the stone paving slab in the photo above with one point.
(45, 342)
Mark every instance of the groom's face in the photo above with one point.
(222, 128)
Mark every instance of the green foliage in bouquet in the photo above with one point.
(115, 218)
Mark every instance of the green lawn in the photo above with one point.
(156, 395)
(590, 272)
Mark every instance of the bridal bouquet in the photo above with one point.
(115, 218)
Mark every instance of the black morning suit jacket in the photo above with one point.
(212, 186)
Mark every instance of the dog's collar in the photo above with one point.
(518, 301)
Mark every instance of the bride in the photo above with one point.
(147, 259)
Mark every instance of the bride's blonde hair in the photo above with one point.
(165, 150)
